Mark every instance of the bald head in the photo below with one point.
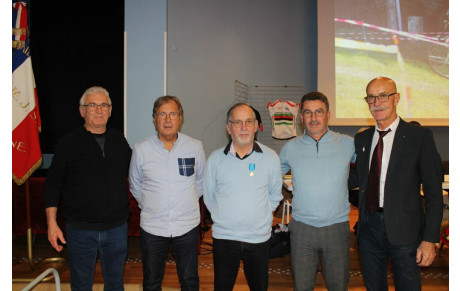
(385, 82)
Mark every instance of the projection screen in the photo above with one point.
(406, 40)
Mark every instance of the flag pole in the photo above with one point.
(29, 227)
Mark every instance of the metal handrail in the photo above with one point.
(43, 275)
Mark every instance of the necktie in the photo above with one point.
(373, 188)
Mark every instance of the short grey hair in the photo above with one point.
(229, 112)
(94, 90)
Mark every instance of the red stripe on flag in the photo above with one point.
(27, 155)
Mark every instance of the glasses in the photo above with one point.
(239, 123)
(172, 115)
(382, 98)
(94, 106)
(318, 113)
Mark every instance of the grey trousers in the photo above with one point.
(308, 243)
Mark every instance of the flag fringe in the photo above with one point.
(20, 181)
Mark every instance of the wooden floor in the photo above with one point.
(435, 277)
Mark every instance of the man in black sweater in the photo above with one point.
(89, 170)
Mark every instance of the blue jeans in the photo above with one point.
(83, 246)
(375, 250)
(227, 255)
(308, 243)
(154, 254)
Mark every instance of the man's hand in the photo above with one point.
(54, 232)
(426, 253)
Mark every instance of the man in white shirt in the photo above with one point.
(165, 176)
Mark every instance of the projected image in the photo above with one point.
(406, 40)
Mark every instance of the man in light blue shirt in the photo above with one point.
(319, 162)
(165, 177)
(242, 187)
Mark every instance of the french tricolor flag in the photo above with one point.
(26, 123)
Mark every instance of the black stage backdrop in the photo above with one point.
(75, 45)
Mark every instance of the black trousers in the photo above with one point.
(227, 255)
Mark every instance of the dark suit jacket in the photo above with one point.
(414, 161)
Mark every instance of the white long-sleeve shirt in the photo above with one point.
(168, 184)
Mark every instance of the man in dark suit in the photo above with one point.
(393, 222)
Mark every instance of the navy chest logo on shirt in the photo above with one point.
(186, 166)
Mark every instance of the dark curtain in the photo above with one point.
(74, 46)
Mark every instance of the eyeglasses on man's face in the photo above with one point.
(94, 106)
(382, 98)
(239, 123)
(318, 113)
(172, 115)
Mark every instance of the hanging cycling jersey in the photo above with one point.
(283, 115)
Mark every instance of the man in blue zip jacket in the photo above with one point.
(319, 161)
